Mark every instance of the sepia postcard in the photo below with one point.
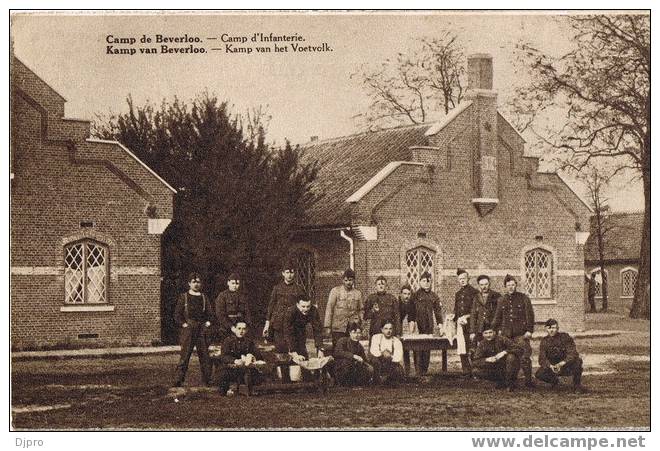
(331, 221)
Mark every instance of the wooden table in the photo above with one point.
(425, 343)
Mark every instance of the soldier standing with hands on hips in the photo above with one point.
(514, 318)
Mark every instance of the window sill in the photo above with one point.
(628, 297)
(87, 308)
(543, 302)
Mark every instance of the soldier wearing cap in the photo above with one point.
(382, 305)
(193, 314)
(497, 358)
(230, 305)
(559, 357)
(483, 308)
(425, 306)
(284, 296)
(514, 319)
(463, 301)
(344, 306)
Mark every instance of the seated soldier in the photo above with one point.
(238, 359)
(497, 358)
(386, 355)
(558, 357)
(350, 366)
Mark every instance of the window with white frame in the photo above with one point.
(418, 261)
(628, 282)
(538, 273)
(85, 273)
(305, 271)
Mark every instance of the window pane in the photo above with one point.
(305, 271)
(95, 274)
(538, 273)
(418, 261)
(628, 282)
(73, 274)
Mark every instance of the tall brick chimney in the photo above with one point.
(480, 92)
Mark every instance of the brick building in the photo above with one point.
(622, 243)
(86, 223)
(458, 193)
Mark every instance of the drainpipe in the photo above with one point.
(351, 249)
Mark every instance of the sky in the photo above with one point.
(306, 93)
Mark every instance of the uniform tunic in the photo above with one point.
(230, 305)
(463, 301)
(553, 350)
(234, 348)
(296, 329)
(388, 308)
(483, 311)
(349, 371)
(514, 315)
(343, 306)
(282, 298)
(424, 305)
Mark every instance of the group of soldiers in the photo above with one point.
(493, 331)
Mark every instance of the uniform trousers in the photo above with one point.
(350, 372)
(526, 358)
(193, 337)
(504, 371)
(573, 368)
(386, 371)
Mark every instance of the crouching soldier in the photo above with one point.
(386, 355)
(558, 357)
(497, 358)
(238, 359)
(350, 366)
(192, 314)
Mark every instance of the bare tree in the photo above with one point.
(598, 96)
(410, 87)
(596, 180)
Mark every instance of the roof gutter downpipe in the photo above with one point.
(351, 252)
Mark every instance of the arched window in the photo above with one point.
(599, 280)
(418, 261)
(628, 282)
(538, 273)
(305, 270)
(85, 273)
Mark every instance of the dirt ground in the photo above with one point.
(133, 393)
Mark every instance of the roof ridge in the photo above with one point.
(353, 135)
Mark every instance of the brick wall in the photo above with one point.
(61, 179)
(433, 208)
(615, 299)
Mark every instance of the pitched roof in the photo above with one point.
(623, 238)
(347, 163)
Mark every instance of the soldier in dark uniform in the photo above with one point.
(230, 305)
(284, 296)
(558, 357)
(380, 306)
(296, 328)
(497, 358)
(239, 354)
(193, 314)
(425, 305)
(514, 319)
(350, 365)
(463, 301)
(483, 308)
